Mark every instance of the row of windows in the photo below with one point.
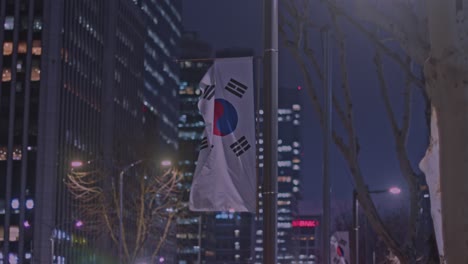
(154, 73)
(159, 42)
(151, 52)
(88, 27)
(35, 73)
(10, 23)
(188, 64)
(148, 12)
(192, 135)
(22, 47)
(170, 73)
(295, 144)
(167, 18)
(284, 111)
(174, 10)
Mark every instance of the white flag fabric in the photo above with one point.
(430, 166)
(339, 253)
(225, 175)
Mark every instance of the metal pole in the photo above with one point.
(121, 215)
(270, 190)
(326, 145)
(199, 239)
(356, 226)
(121, 207)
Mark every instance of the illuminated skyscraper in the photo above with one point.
(73, 89)
(161, 79)
(289, 162)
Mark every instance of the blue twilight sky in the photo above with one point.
(227, 23)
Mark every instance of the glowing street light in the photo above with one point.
(394, 190)
(76, 163)
(166, 163)
(79, 224)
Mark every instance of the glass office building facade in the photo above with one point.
(289, 162)
(72, 89)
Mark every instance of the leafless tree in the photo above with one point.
(435, 35)
(297, 27)
(151, 201)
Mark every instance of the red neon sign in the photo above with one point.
(305, 223)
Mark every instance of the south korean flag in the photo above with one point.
(225, 176)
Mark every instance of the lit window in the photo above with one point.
(37, 24)
(9, 23)
(296, 107)
(284, 178)
(29, 204)
(36, 47)
(15, 203)
(7, 48)
(22, 47)
(237, 245)
(35, 74)
(6, 75)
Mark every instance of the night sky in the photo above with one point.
(226, 24)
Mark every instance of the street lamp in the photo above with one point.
(166, 163)
(121, 174)
(392, 190)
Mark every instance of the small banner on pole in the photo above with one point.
(339, 248)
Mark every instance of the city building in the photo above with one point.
(289, 162)
(161, 79)
(306, 239)
(76, 88)
(193, 237)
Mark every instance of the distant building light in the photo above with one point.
(166, 163)
(15, 203)
(76, 163)
(29, 204)
(79, 224)
(296, 107)
(305, 223)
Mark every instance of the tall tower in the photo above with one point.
(161, 78)
(72, 89)
(289, 162)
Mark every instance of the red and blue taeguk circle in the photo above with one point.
(225, 118)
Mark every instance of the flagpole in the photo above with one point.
(270, 184)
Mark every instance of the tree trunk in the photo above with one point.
(448, 89)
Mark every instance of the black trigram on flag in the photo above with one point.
(204, 143)
(240, 146)
(236, 88)
(209, 92)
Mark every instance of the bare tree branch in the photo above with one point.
(148, 201)
(376, 40)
